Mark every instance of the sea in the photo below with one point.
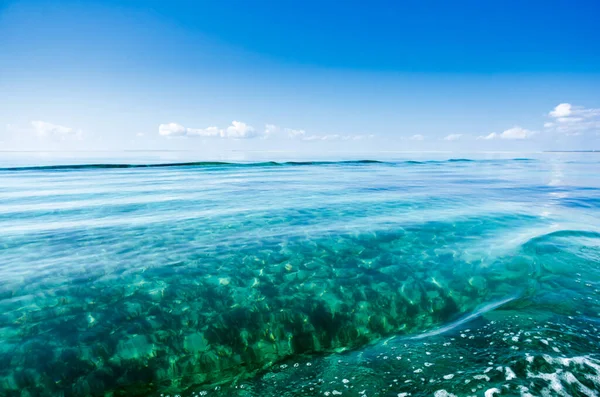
(396, 274)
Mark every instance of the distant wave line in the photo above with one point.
(214, 164)
(199, 164)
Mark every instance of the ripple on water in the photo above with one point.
(264, 283)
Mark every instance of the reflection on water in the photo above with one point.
(297, 279)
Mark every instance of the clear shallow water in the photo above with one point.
(273, 279)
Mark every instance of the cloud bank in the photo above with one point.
(573, 120)
(45, 129)
(515, 132)
(453, 137)
(237, 130)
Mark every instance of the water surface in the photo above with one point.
(356, 278)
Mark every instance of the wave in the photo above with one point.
(487, 308)
(199, 164)
(565, 233)
(214, 164)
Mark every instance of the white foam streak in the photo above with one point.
(487, 308)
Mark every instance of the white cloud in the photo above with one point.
(295, 133)
(46, 129)
(172, 129)
(569, 119)
(303, 136)
(332, 137)
(240, 130)
(564, 118)
(314, 138)
(271, 129)
(453, 137)
(492, 135)
(209, 132)
(515, 132)
(561, 110)
(573, 120)
(361, 137)
(237, 130)
(417, 137)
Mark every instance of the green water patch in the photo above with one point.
(501, 353)
(231, 312)
(565, 272)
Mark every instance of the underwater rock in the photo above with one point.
(411, 291)
(134, 347)
(478, 283)
(290, 277)
(195, 343)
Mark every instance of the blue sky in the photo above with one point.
(311, 76)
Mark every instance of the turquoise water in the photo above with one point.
(441, 277)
